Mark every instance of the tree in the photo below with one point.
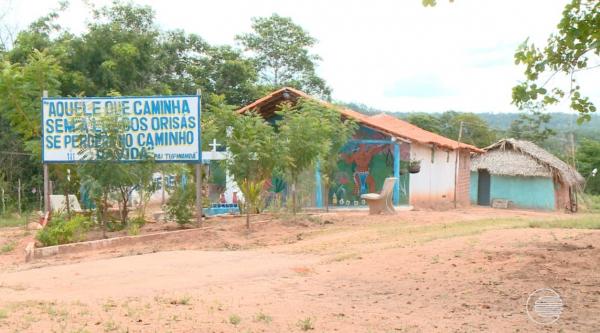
(253, 152)
(101, 170)
(532, 126)
(568, 52)
(476, 131)
(281, 50)
(588, 157)
(337, 132)
(302, 140)
(426, 121)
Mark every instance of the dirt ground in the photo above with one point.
(468, 270)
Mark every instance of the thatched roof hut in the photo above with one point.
(524, 175)
(511, 157)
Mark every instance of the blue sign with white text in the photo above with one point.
(166, 127)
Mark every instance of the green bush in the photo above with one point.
(180, 205)
(135, 225)
(61, 231)
(137, 221)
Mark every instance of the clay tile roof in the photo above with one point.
(409, 131)
(383, 122)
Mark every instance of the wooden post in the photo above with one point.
(3, 203)
(396, 172)
(456, 164)
(199, 180)
(46, 176)
(162, 187)
(19, 196)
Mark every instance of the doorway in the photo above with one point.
(483, 188)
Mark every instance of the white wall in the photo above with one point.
(434, 185)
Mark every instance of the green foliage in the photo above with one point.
(425, 121)
(532, 126)
(7, 247)
(180, 205)
(235, 319)
(20, 89)
(61, 231)
(12, 221)
(306, 324)
(335, 132)
(475, 130)
(588, 157)
(253, 147)
(253, 197)
(568, 51)
(281, 50)
(302, 140)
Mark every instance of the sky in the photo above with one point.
(393, 55)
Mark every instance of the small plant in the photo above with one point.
(133, 230)
(185, 300)
(306, 324)
(414, 166)
(265, 318)
(235, 319)
(3, 314)
(8, 247)
(110, 326)
(180, 205)
(61, 231)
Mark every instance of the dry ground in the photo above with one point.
(455, 271)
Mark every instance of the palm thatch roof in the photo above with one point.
(511, 157)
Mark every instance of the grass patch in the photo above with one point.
(306, 324)
(185, 300)
(235, 320)
(261, 316)
(345, 240)
(12, 221)
(590, 203)
(585, 222)
(8, 247)
(3, 314)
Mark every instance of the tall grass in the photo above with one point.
(12, 221)
(589, 203)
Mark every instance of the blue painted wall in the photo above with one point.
(524, 192)
(473, 191)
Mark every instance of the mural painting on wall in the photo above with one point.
(363, 167)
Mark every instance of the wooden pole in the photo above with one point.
(456, 164)
(46, 176)
(19, 196)
(199, 180)
(3, 203)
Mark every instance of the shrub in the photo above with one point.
(61, 231)
(180, 205)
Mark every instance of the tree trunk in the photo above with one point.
(104, 210)
(326, 199)
(294, 197)
(124, 202)
(68, 204)
(247, 215)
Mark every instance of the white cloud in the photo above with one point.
(370, 48)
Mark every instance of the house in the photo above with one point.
(384, 146)
(523, 175)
